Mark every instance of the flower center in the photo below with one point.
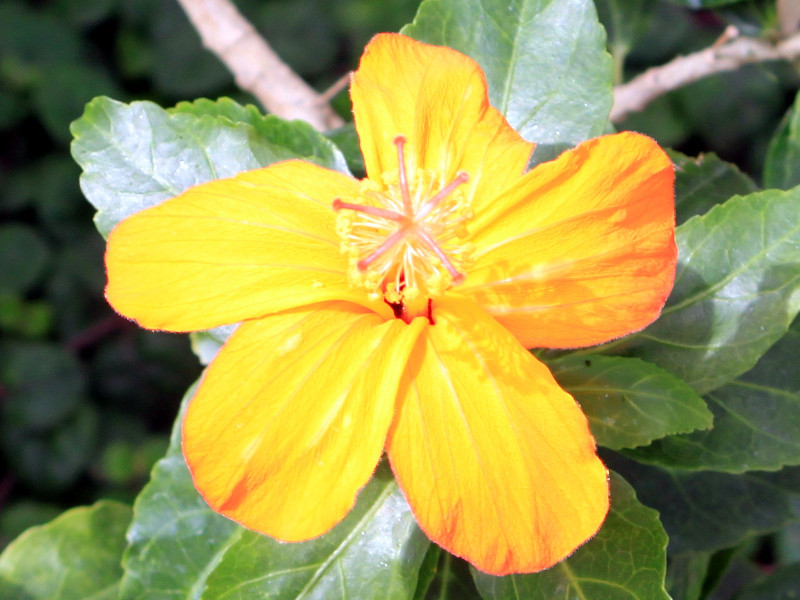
(405, 242)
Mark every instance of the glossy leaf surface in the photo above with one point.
(74, 557)
(756, 423)
(736, 290)
(629, 402)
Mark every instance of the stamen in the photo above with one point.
(403, 243)
(387, 243)
(457, 276)
(400, 141)
(461, 178)
(370, 210)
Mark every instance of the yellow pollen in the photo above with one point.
(405, 239)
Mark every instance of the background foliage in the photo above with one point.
(87, 400)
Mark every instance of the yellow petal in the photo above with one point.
(582, 249)
(496, 460)
(290, 419)
(231, 249)
(436, 98)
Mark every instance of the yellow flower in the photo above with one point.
(393, 314)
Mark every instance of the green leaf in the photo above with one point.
(137, 155)
(629, 402)
(545, 62)
(285, 139)
(782, 165)
(756, 425)
(705, 181)
(706, 511)
(736, 290)
(74, 557)
(375, 552)
(783, 584)
(626, 560)
(180, 548)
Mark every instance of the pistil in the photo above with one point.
(425, 230)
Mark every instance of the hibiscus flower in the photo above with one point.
(393, 314)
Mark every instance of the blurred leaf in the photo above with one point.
(783, 584)
(735, 294)
(16, 517)
(135, 156)
(84, 12)
(74, 85)
(625, 22)
(782, 167)
(704, 3)
(302, 33)
(181, 67)
(686, 574)
(706, 511)
(24, 256)
(705, 181)
(43, 385)
(75, 557)
(662, 119)
(626, 559)
(12, 107)
(359, 20)
(731, 111)
(180, 548)
(787, 543)
(756, 423)
(25, 319)
(545, 62)
(54, 459)
(629, 402)
(30, 39)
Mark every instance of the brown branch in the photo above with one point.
(255, 66)
(728, 56)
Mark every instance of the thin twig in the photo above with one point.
(640, 91)
(338, 86)
(255, 66)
